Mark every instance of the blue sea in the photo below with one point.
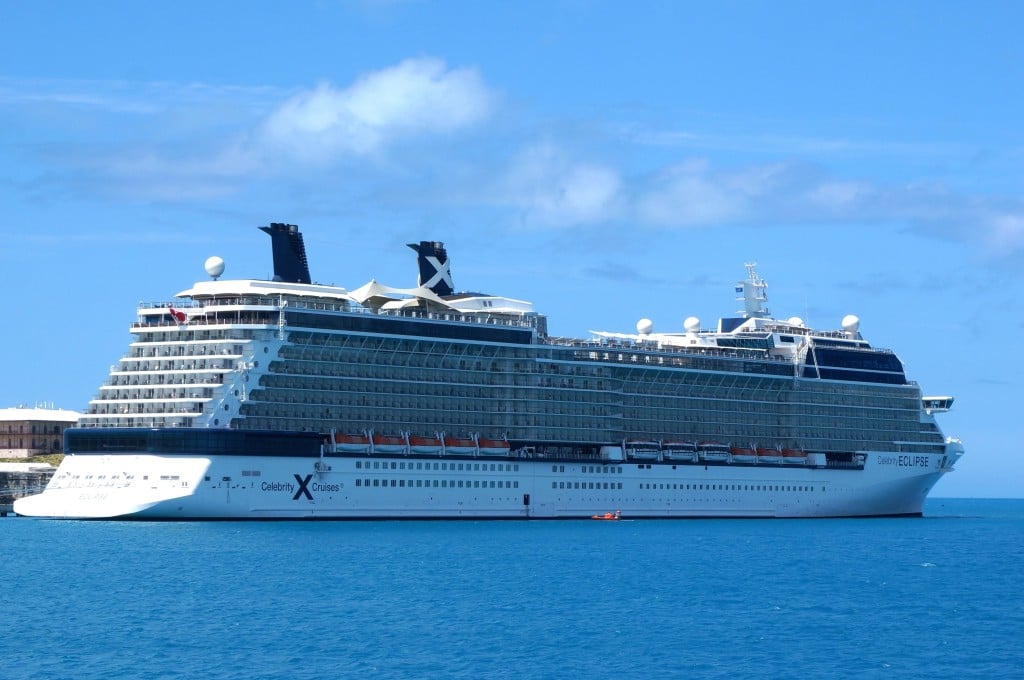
(936, 597)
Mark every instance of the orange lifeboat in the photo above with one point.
(424, 444)
(493, 447)
(354, 443)
(383, 443)
(794, 456)
(459, 445)
(609, 515)
(766, 455)
(743, 454)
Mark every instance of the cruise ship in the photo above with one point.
(288, 399)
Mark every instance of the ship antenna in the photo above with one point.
(753, 294)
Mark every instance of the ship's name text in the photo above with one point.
(905, 461)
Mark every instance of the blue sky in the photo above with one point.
(607, 161)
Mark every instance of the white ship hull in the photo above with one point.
(260, 487)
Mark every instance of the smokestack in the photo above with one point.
(290, 263)
(435, 269)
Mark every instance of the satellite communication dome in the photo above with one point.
(644, 326)
(214, 266)
(796, 321)
(691, 324)
(851, 324)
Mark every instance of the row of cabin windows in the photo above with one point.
(420, 465)
(727, 487)
(586, 485)
(588, 469)
(442, 483)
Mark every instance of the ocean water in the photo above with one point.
(935, 597)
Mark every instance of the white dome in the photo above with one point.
(214, 266)
(644, 326)
(851, 324)
(691, 324)
(796, 321)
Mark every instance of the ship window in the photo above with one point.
(376, 465)
(515, 484)
(376, 482)
(359, 464)
(554, 468)
(554, 485)
(393, 465)
(620, 485)
(358, 482)
(366, 482)
(435, 482)
(476, 484)
(460, 483)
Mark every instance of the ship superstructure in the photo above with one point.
(286, 398)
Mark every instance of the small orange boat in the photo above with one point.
(609, 515)
(493, 447)
(383, 443)
(425, 444)
(358, 443)
(459, 445)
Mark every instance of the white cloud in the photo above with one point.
(417, 96)
(552, 190)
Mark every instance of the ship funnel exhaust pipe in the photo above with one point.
(290, 263)
(435, 269)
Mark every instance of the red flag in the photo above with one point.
(178, 315)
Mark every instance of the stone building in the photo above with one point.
(28, 432)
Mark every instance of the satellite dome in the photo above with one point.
(851, 324)
(214, 266)
(796, 321)
(691, 324)
(644, 326)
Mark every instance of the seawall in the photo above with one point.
(24, 480)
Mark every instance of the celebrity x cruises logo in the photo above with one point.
(303, 487)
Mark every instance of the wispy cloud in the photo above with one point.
(417, 96)
(407, 120)
(550, 189)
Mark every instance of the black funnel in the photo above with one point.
(290, 263)
(435, 270)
